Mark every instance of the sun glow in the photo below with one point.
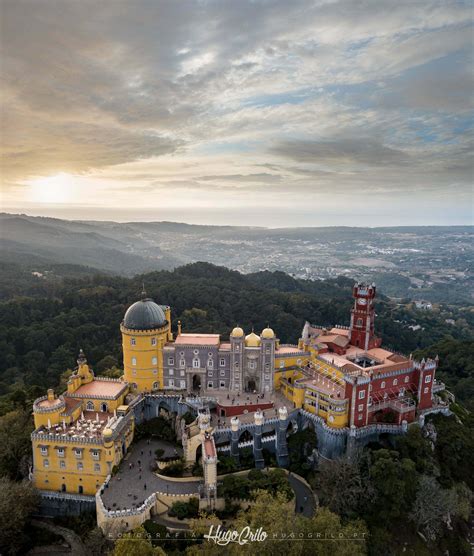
(52, 189)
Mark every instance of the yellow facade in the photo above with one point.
(143, 355)
(289, 378)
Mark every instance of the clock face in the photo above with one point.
(362, 302)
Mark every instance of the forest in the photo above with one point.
(43, 324)
(399, 493)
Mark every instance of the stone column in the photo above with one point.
(281, 443)
(234, 442)
(257, 441)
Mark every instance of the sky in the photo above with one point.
(268, 113)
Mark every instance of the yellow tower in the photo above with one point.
(145, 329)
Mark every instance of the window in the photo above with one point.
(196, 363)
(237, 347)
(299, 361)
(182, 363)
(361, 407)
(268, 348)
(95, 454)
(252, 365)
(78, 453)
(209, 373)
(61, 452)
(407, 378)
(154, 360)
(134, 372)
(361, 394)
(282, 364)
(134, 360)
(80, 466)
(370, 400)
(171, 372)
(425, 391)
(222, 362)
(222, 384)
(181, 373)
(134, 385)
(267, 366)
(80, 489)
(104, 407)
(210, 384)
(182, 384)
(382, 385)
(395, 381)
(360, 416)
(236, 365)
(267, 377)
(359, 322)
(90, 406)
(222, 373)
(210, 363)
(170, 360)
(156, 385)
(133, 342)
(155, 371)
(62, 464)
(427, 379)
(44, 450)
(153, 341)
(171, 382)
(97, 467)
(45, 463)
(237, 386)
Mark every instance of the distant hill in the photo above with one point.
(432, 263)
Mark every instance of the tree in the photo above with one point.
(15, 430)
(434, 506)
(394, 480)
(344, 486)
(17, 502)
(136, 543)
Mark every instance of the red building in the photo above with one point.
(380, 385)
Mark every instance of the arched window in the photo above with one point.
(154, 360)
(359, 322)
(395, 381)
(134, 385)
(156, 385)
(153, 341)
(90, 406)
(133, 342)
(134, 360)
(103, 407)
(63, 488)
(196, 363)
(81, 489)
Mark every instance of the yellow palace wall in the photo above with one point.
(139, 365)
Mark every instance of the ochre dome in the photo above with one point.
(252, 340)
(268, 333)
(144, 315)
(107, 432)
(237, 332)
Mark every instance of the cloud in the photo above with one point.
(319, 95)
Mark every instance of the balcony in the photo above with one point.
(438, 386)
(399, 405)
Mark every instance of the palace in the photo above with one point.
(339, 380)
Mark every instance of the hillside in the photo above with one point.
(42, 329)
(433, 263)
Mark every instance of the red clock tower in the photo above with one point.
(362, 332)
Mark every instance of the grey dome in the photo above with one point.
(144, 315)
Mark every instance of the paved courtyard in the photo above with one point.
(130, 487)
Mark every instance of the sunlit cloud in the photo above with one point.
(238, 104)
